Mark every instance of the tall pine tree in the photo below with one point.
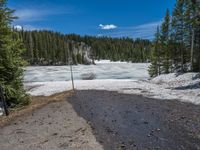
(11, 63)
(178, 34)
(165, 37)
(154, 69)
(180, 41)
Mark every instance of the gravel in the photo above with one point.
(122, 121)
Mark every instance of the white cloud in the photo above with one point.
(148, 26)
(18, 27)
(36, 13)
(108, 26)
(29, 27)
(30, 14)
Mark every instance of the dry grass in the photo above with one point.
(37, 102)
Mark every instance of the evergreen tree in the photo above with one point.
(30, 48)
(154, 69)
(11, 63)
(192, 31)
(165, 37)
(179, 34)
(51, 48)
(180, 42)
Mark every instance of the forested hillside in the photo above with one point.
(177, 41)
(123, 49)
(51, 48)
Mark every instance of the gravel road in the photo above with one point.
(122, 121)
(96, 120)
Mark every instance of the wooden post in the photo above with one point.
(3, 101)
(72, 78)
(70, 61)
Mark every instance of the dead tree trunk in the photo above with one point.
(192, 50)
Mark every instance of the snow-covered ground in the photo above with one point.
(122, 77)
(102, 70)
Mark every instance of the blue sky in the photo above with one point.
(116, 18)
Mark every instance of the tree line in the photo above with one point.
(52, 48)
(177, 40)
(117, 49)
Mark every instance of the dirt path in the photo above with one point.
(122, 121)
(56, 126)
(112, 121)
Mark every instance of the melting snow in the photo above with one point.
(125, 78)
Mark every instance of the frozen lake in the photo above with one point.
(133, 71)
(127, 78)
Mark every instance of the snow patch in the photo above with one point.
(1, 111)
(174, 77)
(159, 87)
(131, 78)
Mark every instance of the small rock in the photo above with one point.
(54, 134)
(148, 135)
(157, 129)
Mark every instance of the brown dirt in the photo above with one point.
(37, 102)
(54, 126)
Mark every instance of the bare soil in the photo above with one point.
(50, 123)
(37, 102)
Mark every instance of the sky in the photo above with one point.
(115, 18)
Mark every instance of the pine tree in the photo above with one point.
(51, 48)
(11, 63)
(192, 28)
(196, 59)
(180, 42)
(165, 37)
(30, 48)
(154, 69)
(178, 34)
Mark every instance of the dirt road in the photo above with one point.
(131, 122)
(96, 120)
(53, 127)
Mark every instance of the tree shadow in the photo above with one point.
(188, 87)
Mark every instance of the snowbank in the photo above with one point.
(49, 88)
(1, 111)
(174, 77)
(184, 87)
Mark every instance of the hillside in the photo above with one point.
(52, 48)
